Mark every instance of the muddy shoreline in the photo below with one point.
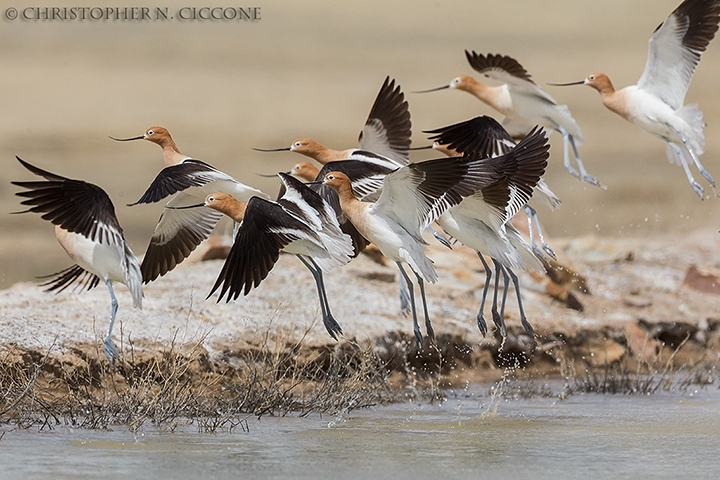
(164, 386)
(640, 311)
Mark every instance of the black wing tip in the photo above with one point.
(481, 136)
(703, 18)
(482, 63)
(391, 109)
(476, 122)
(149, 275)
(39, 171)
(74, 274)
(25, 164)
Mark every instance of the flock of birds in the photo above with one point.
(327, 215)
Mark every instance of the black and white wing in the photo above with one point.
(507, 70)
(75, 275)
(675, 47)
(266, 229)
(177, 234)
(416, 195)
(481, 136)
(85, 209)
(75, 205)
(387, 130)
(367, 180)
(306, 203)
(175, 178)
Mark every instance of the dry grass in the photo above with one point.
(182, 385)
(631, 376)
(658, 373)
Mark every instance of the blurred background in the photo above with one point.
(313, 68)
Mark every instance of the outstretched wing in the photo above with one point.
(77, 275)
(387, 130)
(266, 229)
(506, 70)
(416, 195)
(176, 235)
(175, 178)
(85, 209)
(675, 47)
(482, 136)
(75, 205)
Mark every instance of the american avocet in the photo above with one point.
(383, 142)
(481, 221)
(367, 186)
(655, 103)
(304, 171)
(180, 231)
(415, 196)
(300, 222)
(89, 231)
(523, 103)
(485, 137)
(386, 133)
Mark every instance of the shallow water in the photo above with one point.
(586, 436)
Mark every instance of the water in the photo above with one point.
(586, 436)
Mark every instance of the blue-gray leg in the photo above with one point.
(696, 159)
(404, 298)
(523, 319)
(534, 220)
(506, 284)
(488, 277)
(681, 157)
(498, 320)
(440, 237)
(585, 176)
(428, 325)
(566, 152)
(568, 141)
(416, 327)
(109, 349)
(331, 325)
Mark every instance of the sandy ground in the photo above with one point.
(635, 286)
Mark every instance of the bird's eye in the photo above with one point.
(210, 199)
(297, 144)
(591, 77)
(296, 167)
(456, 81)
(330, 177)
(150, 132)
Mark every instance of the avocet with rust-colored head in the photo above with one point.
(189, 181)
(655, 103)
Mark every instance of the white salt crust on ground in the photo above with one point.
(629, 278)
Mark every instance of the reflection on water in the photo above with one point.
(586, 436)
